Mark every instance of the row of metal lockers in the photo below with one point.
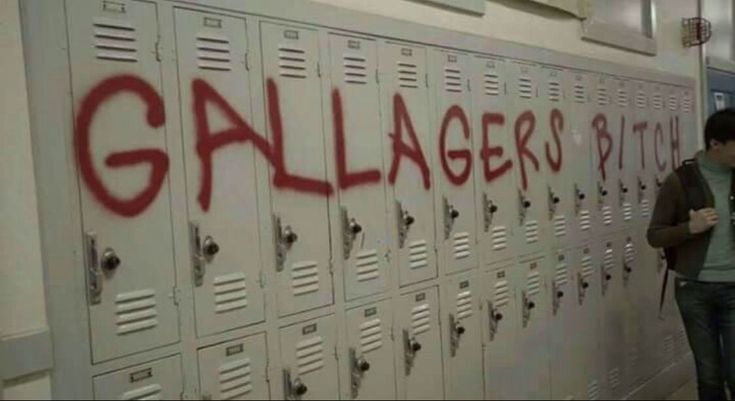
(498, 205)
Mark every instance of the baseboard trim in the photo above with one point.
(25, 354)
(666, 382)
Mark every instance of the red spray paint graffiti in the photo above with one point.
(345, 178)
(400, 149)
(524, 129)
(556, 120)
(455, 112)
(599, 123)
(488, 152)
(659, 140)
(640, 128)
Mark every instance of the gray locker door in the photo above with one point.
(371, 352)
(626, 151)
(588, 298)
(659, 150)
(420, 356)
(688, 123)
(642, 131)
(224, 228)
(502, 325)
(559, 163)
(158, 380)
(235, 370)
(605, 130)
(403, 85)
(463, 366)
(129, 243)
(676, 150)
(532, 190)
(613, 319)
(495, 170)
(301, 220)
(567, 379)
(309, 360)
(535, 312)
(455, 183)
(634, 325)
(363, 223)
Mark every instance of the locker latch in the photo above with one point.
(642, 188)
(558, 292)
(623, 193)
(661, 264)
(350, 230)
(94, 272)
(659, 184)
(601, 195)
(456, 330)
(579, 198)
(203, 252)
(410, 348)
(489, 208)
(528, 306)
(606, 278)
(495, 318)
(285, 238)
(554, 201)
(450, 215)
(627, 271)
(405, 221)
(582, 286)
(524, 205)
(358, 367)
(293, 389)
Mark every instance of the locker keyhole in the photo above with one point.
(110, 260)
(210, 247)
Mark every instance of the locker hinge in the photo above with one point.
(469, 86)
(377, 76)
(176, 295)
(247, 61)
(261, 279)
(318, 69)
(158, 50)
(426, 79)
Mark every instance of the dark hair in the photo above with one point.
(720, 127)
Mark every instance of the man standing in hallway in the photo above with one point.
(694, 220)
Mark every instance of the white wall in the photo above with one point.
(720, 13)
(22, 299)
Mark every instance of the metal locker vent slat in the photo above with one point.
(310, 355)
(641, 100)
(235, 379)
(136, 311)
(580, 93)
(533, 283)
(305, 278)
(355, 69)
(502, 294)
(115, 40)
(453, 80)
(532, 232)
(614, 378)
(418, 253)
(292, 62)
(609, 259)
(593, 390)
(603, 98)
(149, 392)
(464, 305)
(623, 99)
(408, 75)
(214, 52)
(555, 91)
(657, 101)
(673, 103)
(585, 220)
(669, 348)
(526, 89)
(607, 215)
(686, 104)
(560, 226)
(628, 211)
(420, 319)
(492, 84)
(368, 265)
(562, 274)
(645, 209)
(230, 292)
(499, 238)
(371, 336)
(629, 253)
(462, 247)
(588, 269)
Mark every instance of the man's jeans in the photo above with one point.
(708, 311)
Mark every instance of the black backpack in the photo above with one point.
(694, 192)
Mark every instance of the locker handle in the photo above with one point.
(408, 219)
(531, 305)
(560, 294)
(526, 204)
(416, 346)
(608, 277)
(498, 317)
(363, 365)
(585, 285)
(94, 274)
(581, 196)
(210, 247)
(300, 388)
(289, 235)
(355, 227)
(628, 269)
(461, 330)
(110, 260)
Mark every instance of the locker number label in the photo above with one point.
(501, 274)
(309, 329)
(353, 44)
(452, 58)
(562, 258)
(421, 297)
(141, 375)
(464, 284)
(114, 7)
(371, 312)
(234, 350)
(210, 22)
(291, 34)
(407, 52)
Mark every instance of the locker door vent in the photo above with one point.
(453, 79)
(292, 62)
(623, 99)
(580, 93)
(492, 84)
(230, 293)
(629, 254)
(150, 392)
(408, 75)
(136, 311)
(499, 238)
(560, 226)
(420, 319)
(534, 284)
(525, 87)
(593, 390)
(603, 99)
(502, 294)
(310, 355)
(235, 379)
(562, 275)
(673, 103)
(668, 349)
(305, 278)
(686, 104)
(614, 379)
(214, 52)
(607, 215)
(115, 40)
(371, 336)
(585, 220)
(609, 259)
(588, 269)
(355, 69)
(628, 211)
(368, 267)
(641, 101)
(657, 101)
(554, 91)
(464, 305)
(418, 255)
(532, 232)
(646, 208)
(462, 246)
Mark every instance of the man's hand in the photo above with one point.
(702, 220)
